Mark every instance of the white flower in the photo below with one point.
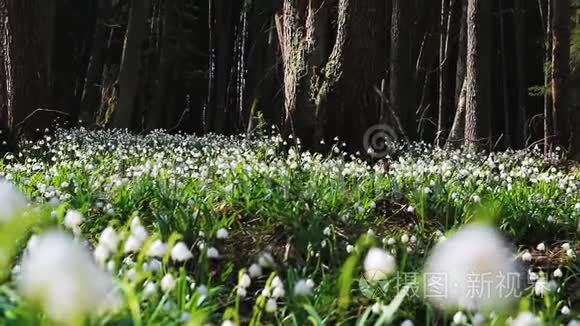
(391, 241)
(73, 219)
(228, 323)
(427, 190)
(222, 234)
(407, 322)
(242, 292)
(245, 281)
(277, 282)
(154, 265)
(278, 292)
(527, 257)
(410, 209)
(11, 200)
(577, 206)
(213, 253)
(255, 270)
(565, 310)
(533, 276)
(376, 308)
(109, 239)
(326, 231)
(271, 306)
(101, 254)
(131, 274)
(526, 319)
(180, 252)
(139, 232)
(478, 320)
(266, 260)
(558, 273)
(150, 289)
(566, 246)
(459, 318)
(349, 248)
(574, 322)
(378, 264)
(413, 239)
(157, 249)
(570, 253)
(541, 247)
(168, 283)
(132, 244)
(61, 276)
(404, 238)
(303, 288)
(541, 287)
(475, 249)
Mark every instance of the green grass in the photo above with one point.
(302, 208)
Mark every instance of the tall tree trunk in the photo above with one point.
(548, 119)
(477, 111)
(444, 58)
(507, 135)
(91, 89)
(25, 58)
(131, 63)
(457, 132)
(400, 66)
(521, 135)
(561, 71)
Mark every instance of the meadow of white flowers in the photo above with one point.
(110, 228)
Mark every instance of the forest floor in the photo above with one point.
(232, 230)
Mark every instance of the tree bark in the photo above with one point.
(26, 62)
(131, 63)
(521, 135)
(478, 80)
(400, 66)
(444, 58)
(561, 71)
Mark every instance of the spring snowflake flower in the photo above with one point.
(566, 246)
(570, 253)
(101, 254)
(565, 310)
(213, 253)
(378, 264)
(459, 318)
(133, 244)
(109, 239)
(60, 276)
(271, 306)
(558, 273)
(73, 219)
(180, 252)
(157, 249)
(475, 249)
(242, 292)
(168, 283)
(228, 323)
(349, 248)
(541, 247)
(577, 206)
(154, 265)
(376, 308)
(391, 241)
(245, 281)
(255, 270)
(405, 238)
(150, 289)
(278, 292)
(526, 319)
(266, 260)
(303, 288)
(410, 209)
(222, 234)
(11, 200)
(407, 323)
(527, 257)
(478, 320)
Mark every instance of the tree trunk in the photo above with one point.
(400, 66)
(561, 71)
(457, 132)
(507, 135)
(521, 135)
(478, 79)
(131, 63)
(548, 119)
(25, 58)
(444, 48)
(91, 89)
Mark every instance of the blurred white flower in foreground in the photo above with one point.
(11, 200)
(304, 288)
(60, 275)
(474, 268)
(378, 264)
(526, 319)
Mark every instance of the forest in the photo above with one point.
(493, 74)
(290, 162)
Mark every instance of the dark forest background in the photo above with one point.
(490, 74)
